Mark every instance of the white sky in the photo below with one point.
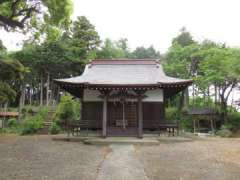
(156, 22)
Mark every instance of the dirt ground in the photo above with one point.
(39, 157)
(199, 159)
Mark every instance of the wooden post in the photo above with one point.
(194, 126)
(41, 90)
(212, 126)
(104, 122)
(140, 117)
(47, 89)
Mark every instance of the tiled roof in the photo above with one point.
(201, 111)
(123, 72)
(9, 114)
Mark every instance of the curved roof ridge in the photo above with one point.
(124, 62)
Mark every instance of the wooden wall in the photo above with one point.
(92, 111)
(153, 113)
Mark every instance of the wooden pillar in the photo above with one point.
(194, 126)
(140, 118)
(104, 122)
(212, 126)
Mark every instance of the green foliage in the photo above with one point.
(209, 64)
(61, 54)
(119, 49)
(12, 123)
(54, 128)
(31, 13)
(145, 53)
(200, 102)
(32, 124)
(172, 114)
(181, 61)
(224, 132)
(233, 121)
(6, 92)
(11, 73)
(84, 32)
(186, 123)
(111, 50)
(13, 126)
(184, 38)
(67, 110)
(59, 11)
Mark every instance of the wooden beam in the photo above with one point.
(104, 122)
(140, 118)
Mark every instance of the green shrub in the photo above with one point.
(32, 124)
(199, 102)
(186, 123)
(54, 128)
(3, 130)
(172, 114)
(67, 109)
(224, 132)
(12, 123)
(233, 121)
(43, 112)
(13, 126)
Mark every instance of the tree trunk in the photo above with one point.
(4, 117)
(223, 108)
(58, 95)
(193, 95)
(21, 101)
(41, 90)
(23, 95)
(47, 89)
(215, 95)
(186, 98)
(30, 95)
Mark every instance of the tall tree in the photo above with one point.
(184, 38)
(220, 67)
(112, 49)
(182, 59)
(144, 53)
(26, 13)
(63, 57)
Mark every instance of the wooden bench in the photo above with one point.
(75, 128)
(170, 127)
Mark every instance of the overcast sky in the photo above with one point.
(156, 22)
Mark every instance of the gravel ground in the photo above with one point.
(122, 164)
(200, 159)
(39, 157)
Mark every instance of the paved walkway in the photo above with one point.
(121, 164)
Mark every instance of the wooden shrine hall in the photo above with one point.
(123, 96)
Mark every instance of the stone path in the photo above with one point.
(121, 164)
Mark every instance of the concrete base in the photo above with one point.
(146, 140)
(121, 140)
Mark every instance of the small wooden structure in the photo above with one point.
(123, 97)
(202, 114)
(6, 115)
